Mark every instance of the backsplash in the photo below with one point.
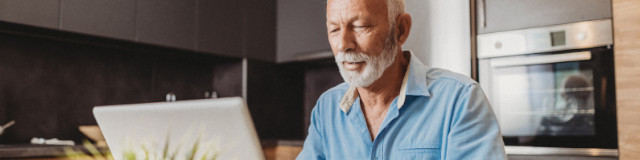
(49, 87)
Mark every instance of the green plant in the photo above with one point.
(196, 151)
(93, 151)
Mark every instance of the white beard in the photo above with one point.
(372, 70)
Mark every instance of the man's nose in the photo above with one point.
(347, 42)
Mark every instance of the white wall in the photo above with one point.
(440, 34)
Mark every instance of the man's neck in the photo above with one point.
(381, 93)
(377, 97)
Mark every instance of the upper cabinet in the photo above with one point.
(258, 28)
(219, 27)
(109, 18)
(167, 22)
(301, 30)
(505, 15)
(267, 30)
(41, 13)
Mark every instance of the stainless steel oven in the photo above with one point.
(552, 86)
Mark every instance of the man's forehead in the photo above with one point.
(370, 6)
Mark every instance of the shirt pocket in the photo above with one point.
(420, 151)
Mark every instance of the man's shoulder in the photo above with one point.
(435, 75)
(328, 101)
(335, 92)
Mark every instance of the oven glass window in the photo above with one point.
(545, 99)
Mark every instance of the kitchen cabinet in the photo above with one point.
(166, 22)
(108, 18)
(626, 33)
(505, 15)
(41, 13)
(219, 27)
(258, 29)
(301, 30)
(231, 28)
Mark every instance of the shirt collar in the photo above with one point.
(413, 83)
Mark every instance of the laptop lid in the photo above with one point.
(193, 129)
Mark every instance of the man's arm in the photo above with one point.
(313, 146)
(474, 133)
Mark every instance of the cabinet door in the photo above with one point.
(166, 22)
(259, 28)
(41, 13)
(504, 15)
(220, 27)
(301, 28)
(110, 18)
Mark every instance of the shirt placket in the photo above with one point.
(357, 118)
(377, 152)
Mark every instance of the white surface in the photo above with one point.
(441, 33)
(222, 125)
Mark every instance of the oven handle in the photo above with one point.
(546, 59)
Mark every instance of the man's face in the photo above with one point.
(360, 37)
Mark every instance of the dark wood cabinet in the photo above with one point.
(41, 13)
(301, 30)
(219, 27)
(167, 22)
(107, 18)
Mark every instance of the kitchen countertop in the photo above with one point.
(10, 151)
(13, 151)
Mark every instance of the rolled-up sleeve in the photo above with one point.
(313, 145)
(474, 132)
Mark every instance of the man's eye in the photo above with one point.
(362, 27)
(334, 30)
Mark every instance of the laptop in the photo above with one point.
(191, 129)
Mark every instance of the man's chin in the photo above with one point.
(356, 81)
(357, 84)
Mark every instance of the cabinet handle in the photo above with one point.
(546, 59)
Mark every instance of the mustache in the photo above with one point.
(352, 57)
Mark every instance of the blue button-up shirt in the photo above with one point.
(438, 114)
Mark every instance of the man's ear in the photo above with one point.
(403, 28)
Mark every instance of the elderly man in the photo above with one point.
(392, 106)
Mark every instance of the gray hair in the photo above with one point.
(395, 8)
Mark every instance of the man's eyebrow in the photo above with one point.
(336, 20)
(331, 22)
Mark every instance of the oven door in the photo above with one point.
(559, 99)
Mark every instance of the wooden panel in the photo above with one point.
(630, 114)
(301, 28)
(167, 22)
(282, 152)
(41, 13)
(274, 89)
(111, 18)
(213, 37)
(259, 26)
(626, 18)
